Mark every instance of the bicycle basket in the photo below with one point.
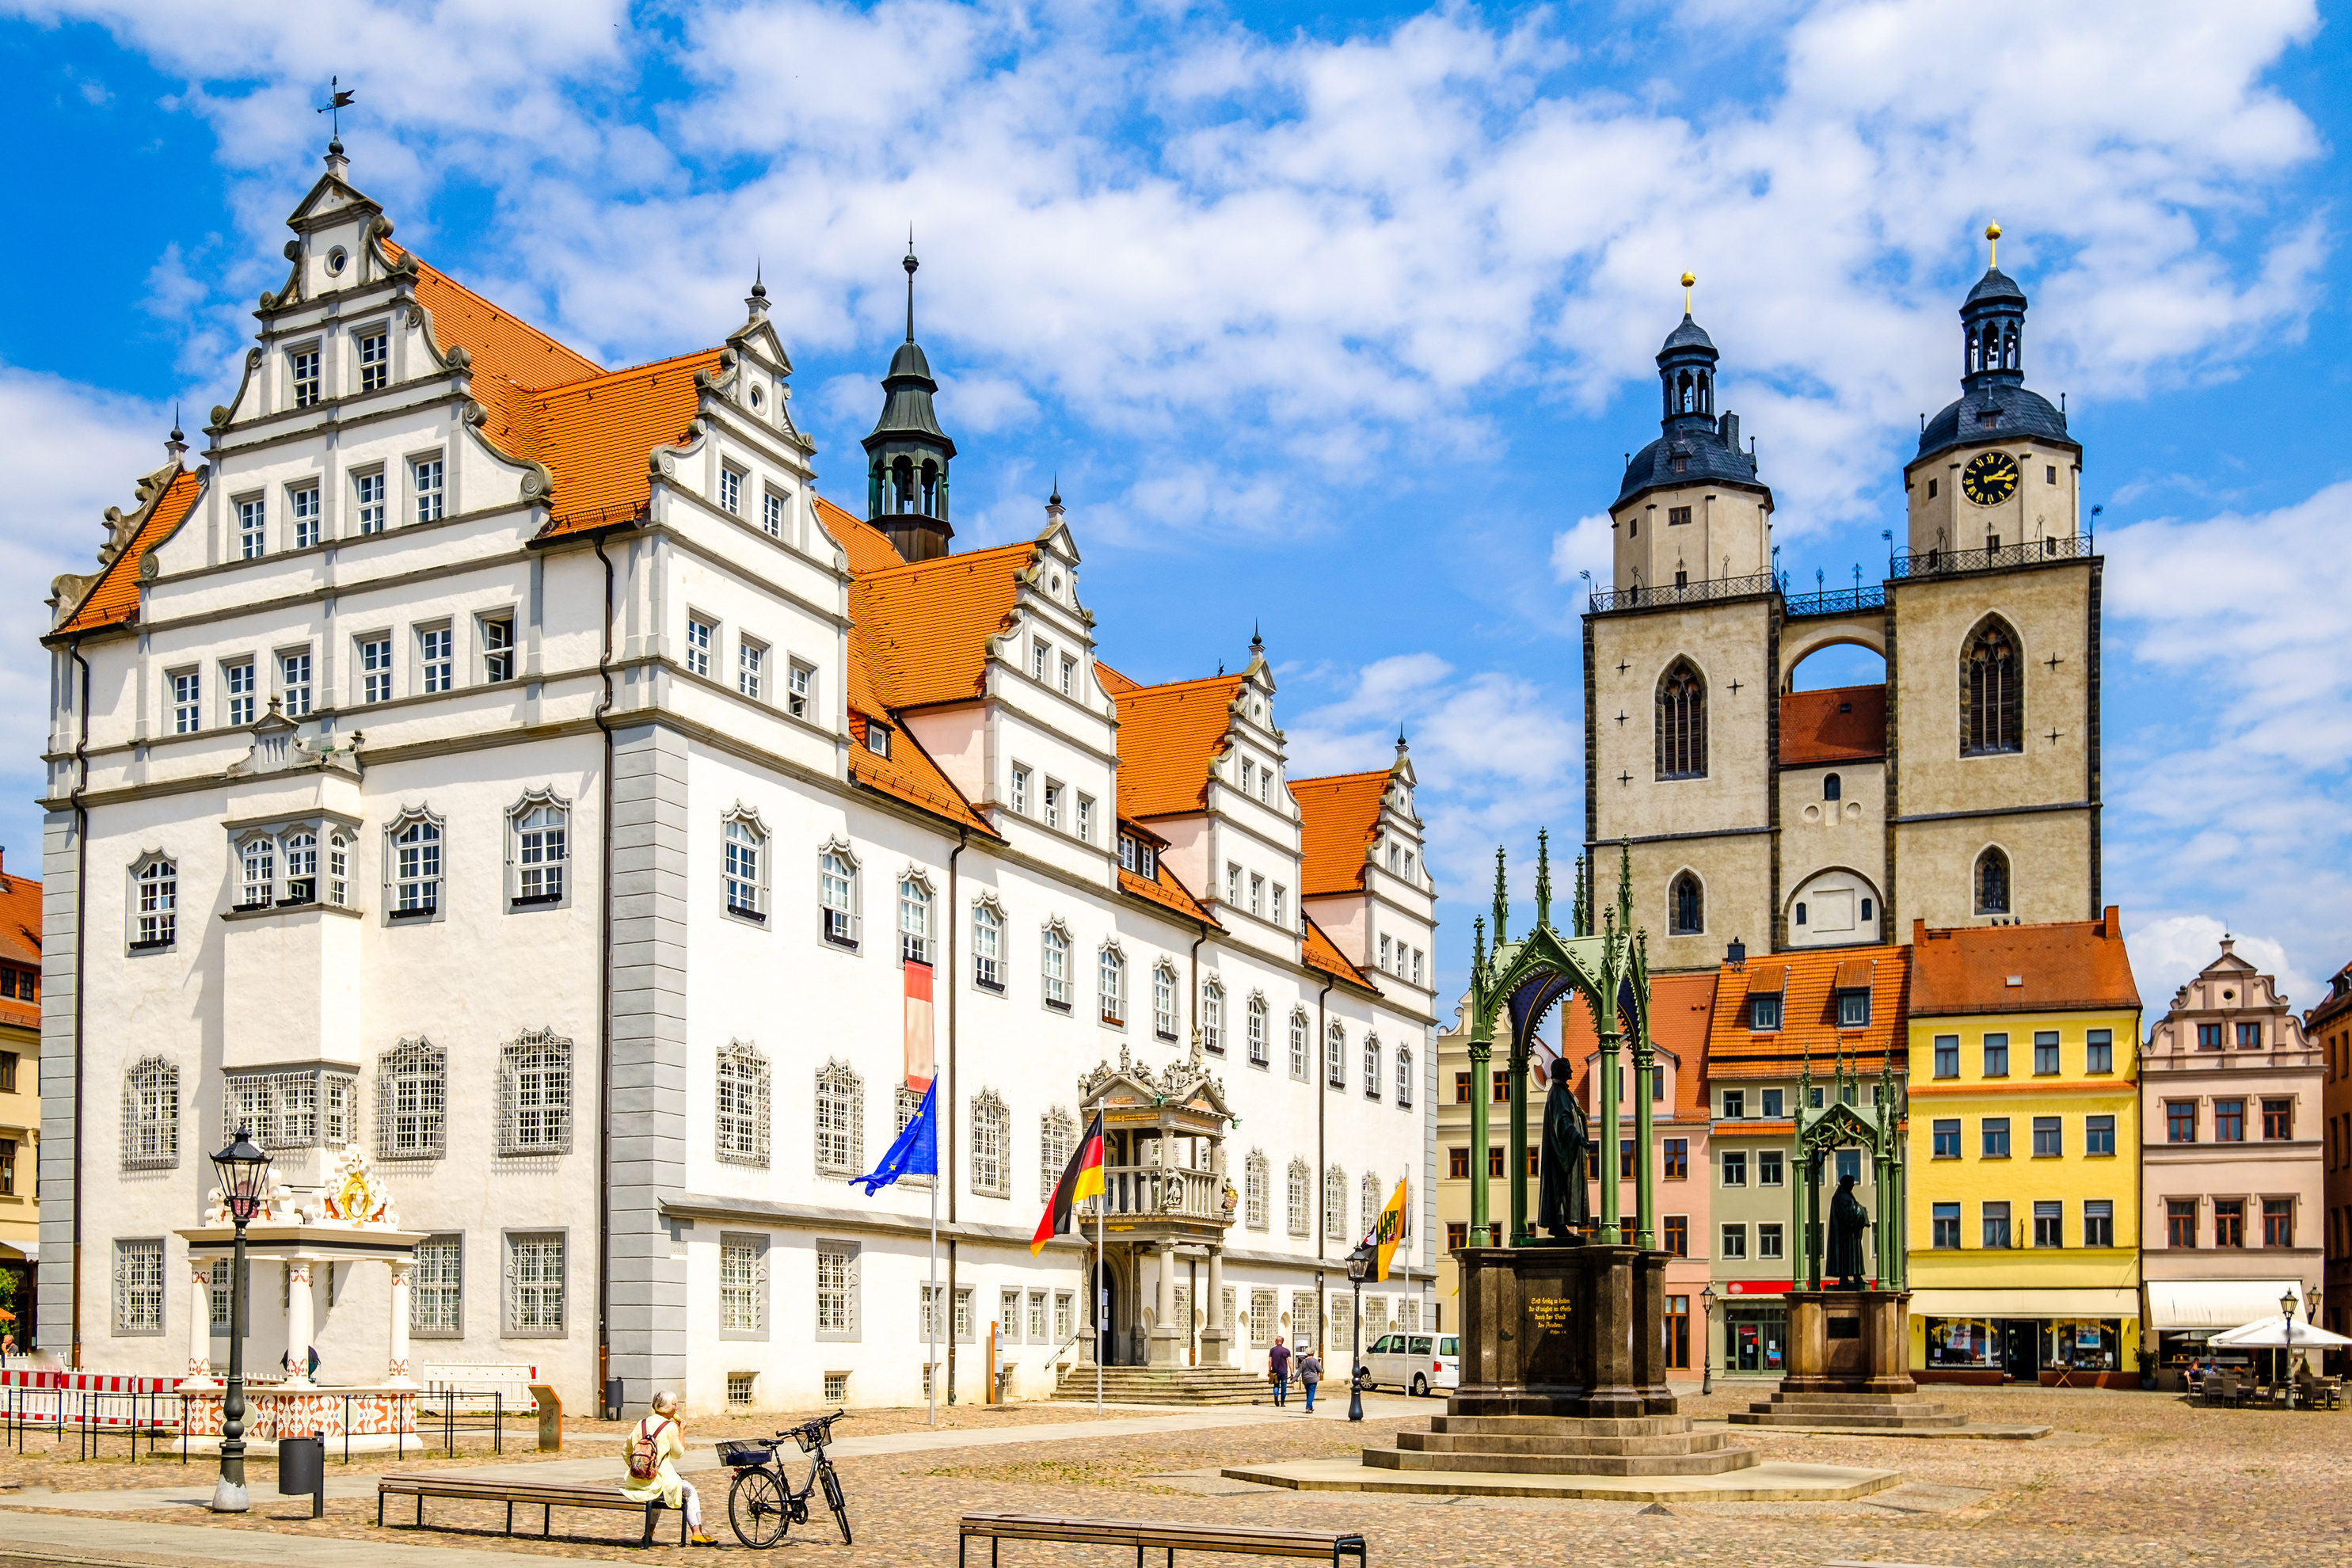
(808, 1436)
(745, 1456)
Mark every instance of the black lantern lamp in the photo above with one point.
(244, 1176)
(1706, 1340)
(1359, 1267)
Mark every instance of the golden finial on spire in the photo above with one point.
(1688, 279)
(1992, 233)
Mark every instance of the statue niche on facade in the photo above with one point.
(1563, 1204)
(1848, 1220)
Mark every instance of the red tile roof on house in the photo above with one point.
(1168, 736)
(868, 547)
(113, 598)
(2059, 966)
(1319, 951)
(1337, 815)
(926, 626)
(1165, 889)
(1843, 724)
(1112, 682)
(1681, 1007)
(1808, 984)
(20, 944)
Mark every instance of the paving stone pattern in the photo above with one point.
(2125, 1479)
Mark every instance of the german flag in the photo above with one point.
(1082, 1178)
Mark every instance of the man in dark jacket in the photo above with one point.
(1277, 1364)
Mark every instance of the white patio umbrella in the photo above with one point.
(2274, 1334)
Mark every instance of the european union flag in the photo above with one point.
(916, 1153)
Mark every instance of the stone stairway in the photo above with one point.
(1876, 1412)
(1564, 1446)
(1190, 1386)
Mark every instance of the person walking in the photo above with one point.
(654, 1448)
(1310, 1372)
(1277, 1364)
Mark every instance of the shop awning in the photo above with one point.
(20, 1251)
(2076, 1301)
(2174, 1304)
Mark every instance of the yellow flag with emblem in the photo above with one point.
(1390, 1231)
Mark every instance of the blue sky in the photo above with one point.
(1337, 321)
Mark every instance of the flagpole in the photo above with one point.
(931, 1370)
(1102, 1202)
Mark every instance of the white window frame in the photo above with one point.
(496, 633)
(304, 387)
(427, 484)
(150, 1115)
(1375, 1066)
(407, 882)
(1164, 1021)
(1404, 1078)
(538, 851)
(1258, 1023)
(1335, 1055)
(1302, 1045)
(436, 658)
(1053, 803)
(743, 1287)
(730, 490)
(1257, 1175)
(1297, 1192)
(1054, 968)
(436, 1288)
(139, 1292)
(371, 356)
(535, 1095)
(743, 857)
(840, 1119)
(836, 1288)
(701, 636)
(1086, 829)
(372, 663)
(992, 1139)
(1335, 1203)
(368, 502)
(412, 1100)
(1111, 986)
(800, 687)
(187, 700)
(918, 919)
(988, 945)
(750, 667)
(294, 684)
(238, 701)
(252, 528)
(1020, 790)
(839, 878)
(304, 515)
(774, 515)
(154, 902)
(738, 1105)
(1213, 1017)
(537, 1298)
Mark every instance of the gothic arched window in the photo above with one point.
(1992, 690)
(1992, 883)
(1686, 906)
(1682, 722)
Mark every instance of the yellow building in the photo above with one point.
(2023, 1154)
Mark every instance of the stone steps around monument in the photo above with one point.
(1564, 1425)
(1870, 1411)
(1564, 1446)
(1185, 1385)
(1713, 1462)
(1534, 1443)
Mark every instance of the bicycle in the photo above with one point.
(760, 1502)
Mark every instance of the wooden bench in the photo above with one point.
(1164, 1536)
(546, 1496)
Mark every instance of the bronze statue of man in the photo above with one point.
(1848, 1220)
(1563, 1204)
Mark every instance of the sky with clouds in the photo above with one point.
(1334, 321)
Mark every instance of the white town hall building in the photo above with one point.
(510, 769)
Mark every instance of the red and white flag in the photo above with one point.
(920, 1059)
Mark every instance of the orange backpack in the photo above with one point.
(645, 1452)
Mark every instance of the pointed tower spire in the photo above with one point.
(757, 299)
(907, 454)
(177, 445)
(1583, 905)
(910, 264)
(1543, 878)
(1502, 899)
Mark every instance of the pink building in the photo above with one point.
(2231, 1176)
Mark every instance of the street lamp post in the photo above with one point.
(2286, 1352)
(1360, 1263)
(243, 1170)
(1706, 1340)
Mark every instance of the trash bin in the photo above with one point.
(302, 1469)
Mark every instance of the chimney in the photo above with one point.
(1737, 953)
(1728, 428)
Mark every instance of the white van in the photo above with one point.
(1417, 1363)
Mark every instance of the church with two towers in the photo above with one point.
(1962, 791)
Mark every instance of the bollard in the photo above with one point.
(302, 1467)
(551, 1418)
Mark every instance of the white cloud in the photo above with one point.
(2168, 953)
(1584, 548)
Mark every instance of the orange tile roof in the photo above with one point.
(1336, 817)
(926, 626)
(908, 772)
(594, 437)
(113, 598)
(1168, 735)
(1167, 890)
(1319, 951)
(2062, 965)
(504, 347)
(1112, 682)
(20, 926)
(868, 547)
(1681, 1007)
(1808, 1028)
(1841, 724)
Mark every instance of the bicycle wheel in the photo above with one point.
(839, 1504)
(755, 1508)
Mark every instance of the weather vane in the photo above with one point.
(338, 100)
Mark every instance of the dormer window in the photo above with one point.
(877, 738)
(1854, 1009)
(1136, 856)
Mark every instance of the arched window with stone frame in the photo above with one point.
(744, 865)
(1254, 1177)
(837, 889)
(740, 1105)
(917, 916)
(1110, 985)
(1992, 690)
(1164, 1021)
(150, 1115)
(412, 1098)
(1404, 1078)
(535, 1094)
(988, 944)
(1374, 1069)
(154, 902)
(538, 850)
(1296, 1213)
(991, 1131)
(840, 1119)
(1058, 1138)
(414, 866)
(1685, 905)
(1994, 895)
(1213, 1017)
(1372, 1202)
(1682, 722)
(1335, 1204)
(1255, 1028)
(1053, 967)
(1301, 1060)
(1335, 1055)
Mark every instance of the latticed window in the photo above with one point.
(1110, 987)
(1372, 1073)
(1682, 722)
(1054, 961)
(1335, 1204)
(990, 1126)
(840, 1120)
(150, 1116)
(535, 1284)
(1260, 1317)
(416, 867)
(535, 1095)
(1335, 1055)
(157, 893)
(1992, 883)
(258, 884)
(1258, 1024)
(837, 894)
(339, 871)
(542, 841)
(904, 1103)
(284, 1110)
(139, 1287)
(1404, 1075)
(1295, 1198)
(745, 845)
(1213, 1017)
(1371, 1200)
(1686, 907)
(1058, 1135)
(301, 866)
(1299, 1045)
(1163, 1000)
(987, 947)
(1992, 691)
(436, 1287)
(738, 1284)
(412, 1083)
(836, 1288)
(741, 1103)
(1254, 1177)
(914, 921)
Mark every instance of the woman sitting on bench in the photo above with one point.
(653, 1454)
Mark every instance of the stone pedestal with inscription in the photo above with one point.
(1848, 1367)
